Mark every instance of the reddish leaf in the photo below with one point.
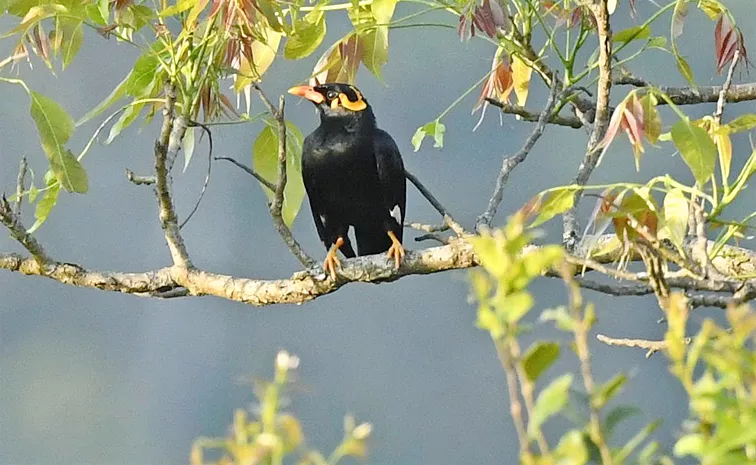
(728, 39)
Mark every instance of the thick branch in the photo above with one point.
(166, 148)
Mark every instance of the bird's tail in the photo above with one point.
(372, 239)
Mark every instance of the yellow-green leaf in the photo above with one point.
(263, 54)
(73, 36)
(651, 120)
(143, 74)
(696, 147)
(265, 162)
(675, 217)
(521, 73)
(435, 129)
(45, 206)
(375, 49)
(538, 358)
(684, 68)
(632, 33)
(550, 401)
(554, 203)
(35, 15)
(712, 8)
(309, 33)
(115, 95)
(741, 123)
(179, 7)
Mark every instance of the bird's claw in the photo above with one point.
(396, 251)
(331, 263)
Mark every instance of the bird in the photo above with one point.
(354, 176)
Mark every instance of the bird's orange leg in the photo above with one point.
(396, 251)
(332, 260)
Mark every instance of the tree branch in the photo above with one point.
(250, 172)
(510, 163)
(18, 232)
(600, 12)
(276, 206)
(527, 115)
(448, 219)
(651, 346)
(20, 186)
(166, 148)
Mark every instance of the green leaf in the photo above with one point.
(309, 34)
(188, 146)
(571, 449)
(436, 129)
(73, 36)
(45, 206)
(99, 12)
(265, 162)
(115, 95)
(651, 120)
(34, 15)
(550, 401)
(696, 148)
(555, 203)
(712, 8)
(55, 127)
(658, 42)
(675, 217)
(383, 10)
(375, 49)
(69, 172)
(538, 358)
(741, 123)
(608, 390)
(144, 72)
(618, 415)
(684, 68)
(561, 318)
(127, 117)
(514, 306)
(179, 7)
(33, 193)
(632, 33)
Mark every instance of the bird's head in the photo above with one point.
(334, 100)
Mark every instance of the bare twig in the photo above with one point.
(527, 115)
(710, 300)
(616, 289)
(140, 180)
(207, 174)
(432, 237)
(650, 346)
(448, 219)
(515, 405)
(429, 228)
(166, 147)
(600, 12)
(20, 186)
(276, 206)
(251, 172)
(510, 163)
(17, 231)
(726, 87)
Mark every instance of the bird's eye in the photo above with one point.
(331, 95)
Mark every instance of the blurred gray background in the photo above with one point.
(89, 377)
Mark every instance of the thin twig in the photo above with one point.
(527, 389)
(448, 218)
(432, 237)
(616, 289)
(171, 134)
(20, 186)
(527, 115)
(429, 228)
(207, 174)
(600, 12)
(18, 232)
(510, 163)
(515, 405)
(650, 346)
(140, 180)
(276, 206)
(251, 172)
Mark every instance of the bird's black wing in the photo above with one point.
(392, 180)
(326, 231)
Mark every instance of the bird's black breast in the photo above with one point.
(341, 167)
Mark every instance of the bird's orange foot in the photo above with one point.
(332, 260)
(396, 251)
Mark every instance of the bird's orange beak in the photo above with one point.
(309, 93)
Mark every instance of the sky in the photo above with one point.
(89, 377)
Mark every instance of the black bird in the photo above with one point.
(354, 176)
